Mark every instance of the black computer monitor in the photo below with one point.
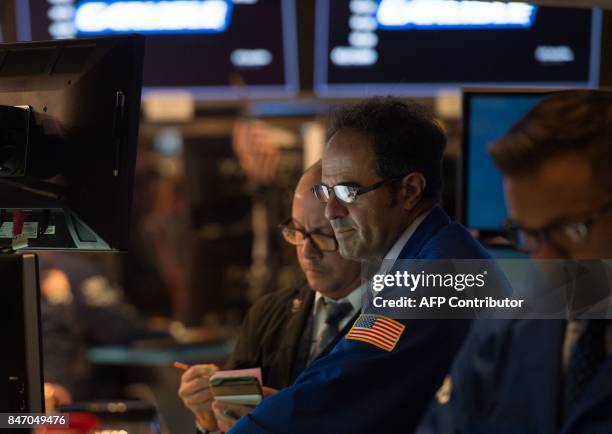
(215, 49)
(69, 115)
(487, 116)
(20, 365)
(418, 47)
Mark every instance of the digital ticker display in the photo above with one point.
(217, 49)
(419, 46)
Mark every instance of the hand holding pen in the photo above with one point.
(195, 393)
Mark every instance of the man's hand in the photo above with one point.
(228, 414)
(196, 394)
(55, 395)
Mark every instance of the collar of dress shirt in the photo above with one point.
(355, 298)
(396, 249)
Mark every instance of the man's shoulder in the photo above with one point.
(497, 338)
(453, 241)
(282, 300)
(438, 237)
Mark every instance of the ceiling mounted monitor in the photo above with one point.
(417, 47)
(215, 49)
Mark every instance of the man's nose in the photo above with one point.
(310, 250)
(335, 208)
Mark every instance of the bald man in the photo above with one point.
(285, 331)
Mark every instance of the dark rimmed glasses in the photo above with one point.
(560, 234)
(297, 237)
(346, 192)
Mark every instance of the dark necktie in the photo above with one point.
(586, 359)
(334, 313)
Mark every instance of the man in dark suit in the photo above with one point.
(286, 330)
(381, 185)
(544, 376)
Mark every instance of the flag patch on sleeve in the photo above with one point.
(377, 330)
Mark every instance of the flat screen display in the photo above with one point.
(420, 46)
(69, 113)
(20, 365)
(487, 117)
(216, 49)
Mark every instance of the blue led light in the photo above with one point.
(111, 17)
(453, 15)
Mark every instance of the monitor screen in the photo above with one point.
(216, 49)
(415, 47)
(69, 116)
(20, 365)
(487, 116)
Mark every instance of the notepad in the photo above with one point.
(240, 386)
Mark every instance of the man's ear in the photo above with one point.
(412, 190)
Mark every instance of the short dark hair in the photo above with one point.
(405, 138)
(573, 121)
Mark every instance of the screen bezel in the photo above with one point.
(32, 326)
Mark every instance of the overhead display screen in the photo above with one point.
(217, 49)
(419, 46)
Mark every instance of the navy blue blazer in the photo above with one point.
(508, 378)
(360, 388)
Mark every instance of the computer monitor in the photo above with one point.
(20, 364)
(214, 49)
(487, 116)
(418, 47)
(69, 115)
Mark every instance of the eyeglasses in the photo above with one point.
(346, 192)
(560, 234)
(297, 237)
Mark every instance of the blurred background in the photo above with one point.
(234, 108)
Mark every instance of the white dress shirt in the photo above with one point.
(397, 247)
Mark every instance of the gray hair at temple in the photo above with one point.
(567, 122)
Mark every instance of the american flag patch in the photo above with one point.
(377, 330)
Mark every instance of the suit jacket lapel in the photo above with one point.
(298, 317)
(436, 219)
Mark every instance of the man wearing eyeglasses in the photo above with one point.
(544, 376)
(381, 184)
(285, 331)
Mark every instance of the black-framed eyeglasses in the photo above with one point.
(297, 237)
(560, 234)
(346, 192)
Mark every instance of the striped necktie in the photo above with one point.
(586, 359)
(334, 313)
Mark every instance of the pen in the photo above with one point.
(182, 366)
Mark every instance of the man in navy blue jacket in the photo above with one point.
(544, 376)
(381, 184)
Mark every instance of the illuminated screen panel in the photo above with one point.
(218, 49)
(487, 117)
(420, 46)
